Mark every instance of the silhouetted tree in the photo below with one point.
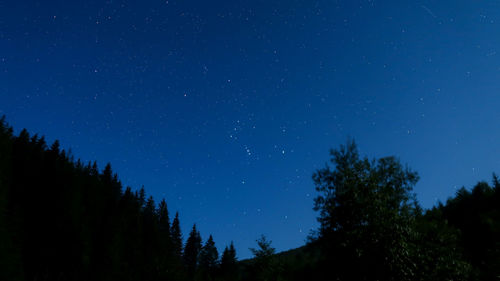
(228, 263)
(163, 219)
(367, 208)
(191, 252)
(141, 195)
(267, 266)
(209, 260)
(265, 250)
(368, 220)
(228, 258)
(176, 237)
(166, 263)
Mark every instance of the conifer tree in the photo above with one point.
(94, 170)
(209, 258)
(176, 237)
(141, 196)
(228, 258)
(53, 148)
(266, 265)
(192, 251)
(163, 218)
(165, 260)
(228, 267)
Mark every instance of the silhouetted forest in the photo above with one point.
(65, 220)
(61, 219)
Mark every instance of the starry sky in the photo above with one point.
(226, 108)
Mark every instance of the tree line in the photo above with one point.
(61, 219)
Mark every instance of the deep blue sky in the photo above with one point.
(226, 108)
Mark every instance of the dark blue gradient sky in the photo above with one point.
(226, 108)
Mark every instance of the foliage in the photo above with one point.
(366, 209)
(370, 219)
(438, 255)
(476, 215)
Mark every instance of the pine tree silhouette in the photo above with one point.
(191, 252)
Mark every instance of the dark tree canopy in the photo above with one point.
(368, 217)
(359, 193)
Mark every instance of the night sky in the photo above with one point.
(226, 108)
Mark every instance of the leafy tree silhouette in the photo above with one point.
(368, 217)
